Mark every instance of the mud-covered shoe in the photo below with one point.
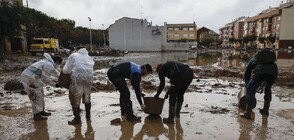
(39, 117)
(168, 120)
(43, 113)
(134, 118)
(247, 116)
(74, 121)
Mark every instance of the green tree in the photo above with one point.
(11, 21)
(246, 39)
(272, 39)
(262, 40)
(206, 39)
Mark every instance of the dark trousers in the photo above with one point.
(121, 85)
(180, 84)
(255, 82)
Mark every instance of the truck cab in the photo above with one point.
(41, 45)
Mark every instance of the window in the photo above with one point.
(191, 29)
(277, 34)
(245, 25)
(170, 35)
(185, 35)
(279, 18)
(170, 29)
(278, 25)
(274, 26)
(191, 35)
(176, 35)
(176, 29)
(185, 29)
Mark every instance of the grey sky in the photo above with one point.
(212, 14)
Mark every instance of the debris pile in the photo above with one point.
(285, 79)
(147, 85)
(99, 86)
(13, 85)
(108, 52)
(216, 110)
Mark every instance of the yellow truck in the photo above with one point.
(41, 45)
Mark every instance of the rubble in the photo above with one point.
(99, 86)
(216, 110)
(108, 52)
(13, 84)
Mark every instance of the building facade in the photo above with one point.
(231, 30)
(134, 35)
(273, 22)
(180, 32)
(139, 35)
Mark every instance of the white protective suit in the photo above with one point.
(33, 78)
(80, 65)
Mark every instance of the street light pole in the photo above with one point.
(103, 36)
(90, 35)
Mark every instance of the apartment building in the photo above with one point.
(178, 32)
(273, 22)
(232, 30)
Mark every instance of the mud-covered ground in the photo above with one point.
(210, 110)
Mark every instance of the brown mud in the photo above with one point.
(210, 111)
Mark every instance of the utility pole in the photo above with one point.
(104, 43)
(27, 4)
(90, 35)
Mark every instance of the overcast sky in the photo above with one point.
(212, 14)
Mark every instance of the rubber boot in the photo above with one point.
(130, 114)
(77, 119)
(43, 113)
(171, 116)
(266, 106)
(178, 109)
(38, 117)
(247, 113)
(88, 109)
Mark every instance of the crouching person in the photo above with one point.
(80, 66)
(180, 76)
(117, 74)
(33, 78)
(265, 70)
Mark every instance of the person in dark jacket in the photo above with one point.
(180, 76)
(265, 71)
(117, 74)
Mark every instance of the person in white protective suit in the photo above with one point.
(33, 78)
(80, 66)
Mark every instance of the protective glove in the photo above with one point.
(142, 94)
(57, 85)
(166, 96)
(156, 96)
(143, 107)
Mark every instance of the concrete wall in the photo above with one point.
(287, 24)
(133, 35)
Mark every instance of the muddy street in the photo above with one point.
(210, 109)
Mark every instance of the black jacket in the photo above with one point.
(125, 72)
(269, 68)
(169, 70)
